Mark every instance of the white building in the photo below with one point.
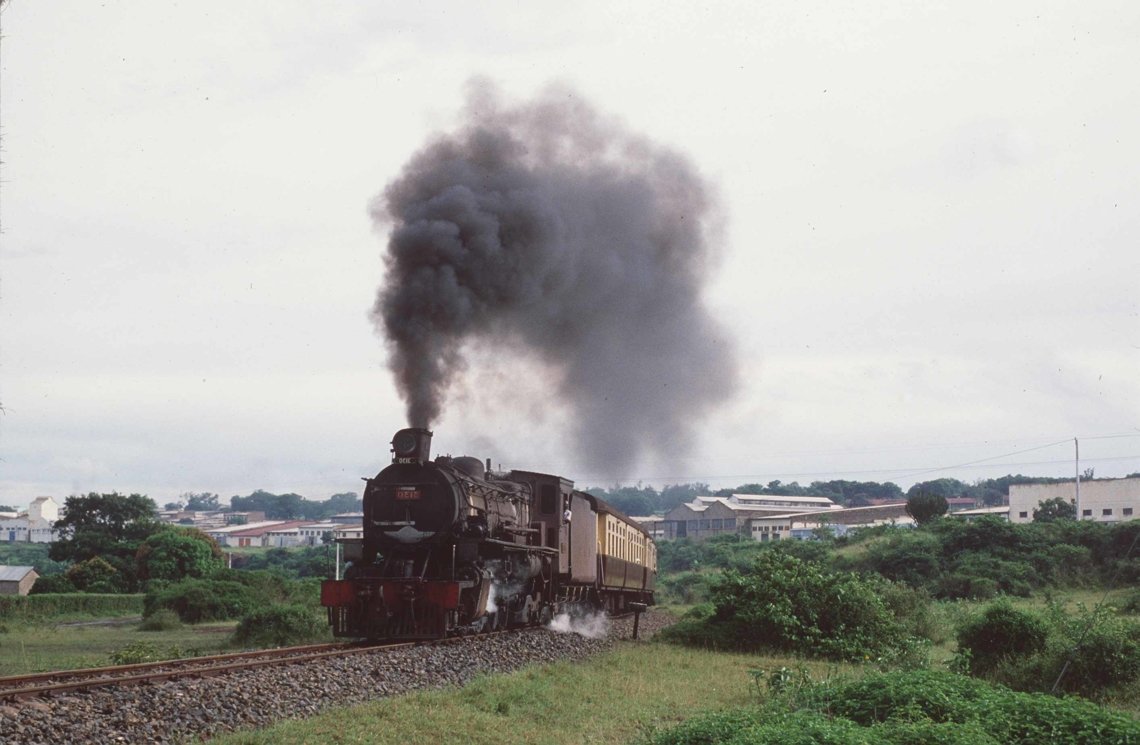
(36, 525)
(1102, 500)
(705, 517)
(838, 521)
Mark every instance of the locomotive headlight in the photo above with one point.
(404, 444)
(412, 445)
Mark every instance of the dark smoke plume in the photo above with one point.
(545, 230)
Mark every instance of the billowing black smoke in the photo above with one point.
(549, 231)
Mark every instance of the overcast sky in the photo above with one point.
(931, 255)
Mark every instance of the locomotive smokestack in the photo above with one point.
(553, 234)
(412, 445)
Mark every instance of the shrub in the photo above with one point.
(1001, 631)
(1103, 651)
(280, 626)
(1004, 715)
(1130, 603)
(53, 584)
(913, 557)
(913, 609)
(139, 652)
(686, 587)
(788, 604)
(174, 553)
(161, 620)
(197, 600)
(906, 708)
(95, 575)
(229, 594)
(136, 653)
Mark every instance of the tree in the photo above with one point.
(110, 526)
(6, 508)
(276, 506)
(95, 575)
(204, 502)
(175, 553)
(925, 506)
(945, 488)
(343, 502)
(173, 506)
(1052, 510)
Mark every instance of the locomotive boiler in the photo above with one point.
(451, 547)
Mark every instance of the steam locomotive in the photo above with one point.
(450, 547)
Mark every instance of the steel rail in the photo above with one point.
(64, 681)
(61, 681)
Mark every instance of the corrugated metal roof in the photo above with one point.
(780, 498)
(13, 574)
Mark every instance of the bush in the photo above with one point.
(140, 652)
(1099, 652)
(685, 588)
(787, 604)
(1004, 715)
(906, 708)
(53, 584)
(280, 626)
(1103, 653)
(914, 610)
(229, 594)
(1001, 631)
(197, 600)
(1130, 603)
(95, 575)
(161, 620)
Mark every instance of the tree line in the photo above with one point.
(646, 500)
(275, 506)
(115, 542)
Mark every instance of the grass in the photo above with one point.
(39, 648)
(617, 697)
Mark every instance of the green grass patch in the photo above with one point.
(67, 606)
(39, 648)
(620, 697)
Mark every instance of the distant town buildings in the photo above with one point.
(253, 530)
(33, 526)
(769, 517)
(1101, 500)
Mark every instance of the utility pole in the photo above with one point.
(1077, 472)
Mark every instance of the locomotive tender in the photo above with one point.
(450, 547)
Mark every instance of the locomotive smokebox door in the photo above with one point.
(412, 445)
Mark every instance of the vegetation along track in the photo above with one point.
(188, 708)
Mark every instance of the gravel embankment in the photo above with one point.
(178, 711)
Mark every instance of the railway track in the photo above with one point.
(63, 681)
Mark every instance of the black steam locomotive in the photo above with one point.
(450, 547)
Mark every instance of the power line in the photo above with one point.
(986, 460)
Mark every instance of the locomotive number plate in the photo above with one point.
(407, 493)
